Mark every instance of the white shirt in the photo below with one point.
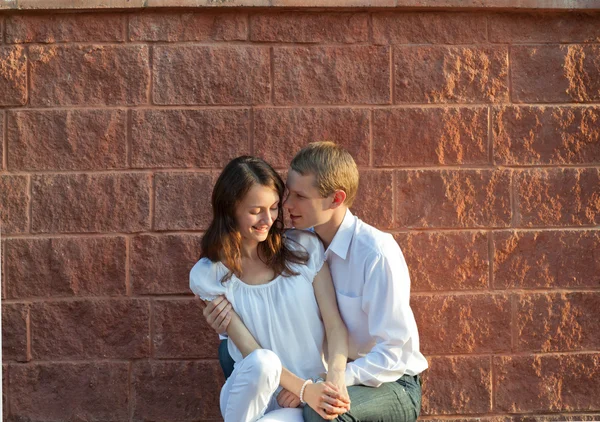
(282, 315)
(373, 292)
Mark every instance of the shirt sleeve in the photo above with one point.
(306, 241)
(205, 280)
(386, 301)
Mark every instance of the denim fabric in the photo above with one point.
(398, 401)
(225, 359)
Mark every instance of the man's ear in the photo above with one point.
(339, 197)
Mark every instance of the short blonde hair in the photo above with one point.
(333, 167)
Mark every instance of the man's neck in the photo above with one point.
(327, 231)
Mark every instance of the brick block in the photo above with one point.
(298, 27)
(592, 417)
(59, 267)
(558, 197)
(457, 385)
(463, 324)
(14, 206)
(14, 332)
(546, 259)
(452, 198)
(188, 26)
(188, 74)
(440, 74)
(64, 75)
(86, 329)
(558, 322)
(161, 264)
(428, 136)
(183, 201)
(69, 391)
(5, 408)
(280, 133)
(13, 76)
(188, 138)
(429, 28)
(332, 75)
(72, 140)
(374, 202)
(546, 135)
(180, 330)
(555, 73)
(544, 27)
(90, 203)
(550, 383)
(65, 27)
(446, 261)
(167, 391)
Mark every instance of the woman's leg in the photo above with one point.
(284, 415)
(246, 394)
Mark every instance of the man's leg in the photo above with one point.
(398, 401)
(225, 359)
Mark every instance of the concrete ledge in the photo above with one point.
(401, 4)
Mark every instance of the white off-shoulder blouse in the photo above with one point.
(282, 315)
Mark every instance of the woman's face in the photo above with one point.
(257, 212)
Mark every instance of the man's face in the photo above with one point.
(305, 204)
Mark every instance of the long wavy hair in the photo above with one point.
(222, 241)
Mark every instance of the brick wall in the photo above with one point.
(478, 139)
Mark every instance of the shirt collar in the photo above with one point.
(341, 241)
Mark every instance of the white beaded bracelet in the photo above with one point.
(309, 381)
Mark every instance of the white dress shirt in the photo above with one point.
(373, 292)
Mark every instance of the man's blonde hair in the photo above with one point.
(333, 167)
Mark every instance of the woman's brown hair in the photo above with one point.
(222, 241)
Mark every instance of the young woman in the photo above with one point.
(281, 291)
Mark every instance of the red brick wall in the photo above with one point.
(478, 139)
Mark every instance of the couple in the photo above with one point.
(274, 292)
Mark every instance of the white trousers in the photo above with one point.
(248, 394)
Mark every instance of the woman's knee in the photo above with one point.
(265, 366)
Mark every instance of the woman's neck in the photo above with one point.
(249, 250)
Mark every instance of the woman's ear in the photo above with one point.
(339, 197)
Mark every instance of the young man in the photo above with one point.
(372, 287)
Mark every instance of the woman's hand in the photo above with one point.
(326, 399)
(286, 398)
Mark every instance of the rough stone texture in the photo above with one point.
(463, 324)
(59, 267)
(457, 385)
(188, 26)
(90, 75)
(552, 322)
(546, 135)
(14, 332)
(374, 202)
(299, 126)
(71, 140)
(331, 75)
(180, 330)
(14, 204)
(546, 259)
(558, 197)
(428, 28)
(183, 201)
(446, 261)
(13, 76)
(550, 383)
(556, 73)
(87, 329)
(440, 74)
(188, 138)
(544, 27)
(155, 383)
(298, 27)
(187, 74)
(557, 418)
(69, 391)
(5, 408)
(161, 264)
(430, 136)
(452, 198)
(68, 27)
(90, 203)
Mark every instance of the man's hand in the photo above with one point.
(326, 399)
(338, 379)
(286, 398)
(218, 314)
